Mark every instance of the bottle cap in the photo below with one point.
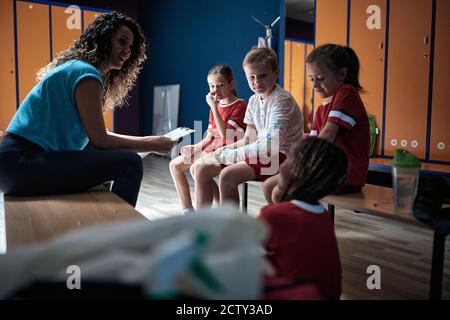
(405, 159)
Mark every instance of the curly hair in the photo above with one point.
(94, 46)
(320, 168)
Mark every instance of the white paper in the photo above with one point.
(175, 134)
(178, 133)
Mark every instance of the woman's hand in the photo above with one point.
(159, 144)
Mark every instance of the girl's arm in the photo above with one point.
(88, 97)
(329, 131)
(221, 127)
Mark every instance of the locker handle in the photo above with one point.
(425, 40)
(380, 45)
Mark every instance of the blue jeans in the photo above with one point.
(28, 170)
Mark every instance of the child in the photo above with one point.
(274, 123)
(226, 125)
(302, 245)
(341, 118)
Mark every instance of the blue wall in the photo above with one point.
(188, 37)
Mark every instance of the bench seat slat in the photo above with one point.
(35, 219)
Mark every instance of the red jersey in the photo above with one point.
(302, 245)
(232, 116)
(347, 110)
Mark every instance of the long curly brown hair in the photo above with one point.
(94, 46)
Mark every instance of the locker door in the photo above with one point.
(33, 43)
(368, 43)
(408, 76)
(66, 28)
(298, 72)
(7, 65)
(331, 22)
(287, 65)
(440, 114)
(308, 105)
(108, 116)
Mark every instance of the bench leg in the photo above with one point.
(244, 197)
(331, 211)
(437, 265)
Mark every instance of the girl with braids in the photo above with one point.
(302, 245)
(341, 118)
(44, 151)
(226, 125)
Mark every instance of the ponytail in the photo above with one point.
(336, 57)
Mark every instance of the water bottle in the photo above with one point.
(405, 180)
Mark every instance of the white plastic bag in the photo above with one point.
(126, 253)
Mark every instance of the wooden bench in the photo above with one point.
(31, 220)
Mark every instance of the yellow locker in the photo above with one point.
(408, 76)
(7, 65)
(298, 72)
(331, 21)
(287, 65)
(108, 116)
(367, 37)
(66, 28)
(308, 103)
(331, 26)
(33, 43)
(440, 113)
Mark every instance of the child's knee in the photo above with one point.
(200, 172)
(193, 169)
(175, 164)
(227, 178)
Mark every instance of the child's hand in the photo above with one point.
(188, 151)
(211, 99)
(218, 152)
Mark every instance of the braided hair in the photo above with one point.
(319, 170)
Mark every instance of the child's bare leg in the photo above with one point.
(268, 187)
(177, 169)
(203, 171)
(215, 188)
(230, 178)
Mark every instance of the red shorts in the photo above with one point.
(266, 170)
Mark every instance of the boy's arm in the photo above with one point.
(249, 137)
